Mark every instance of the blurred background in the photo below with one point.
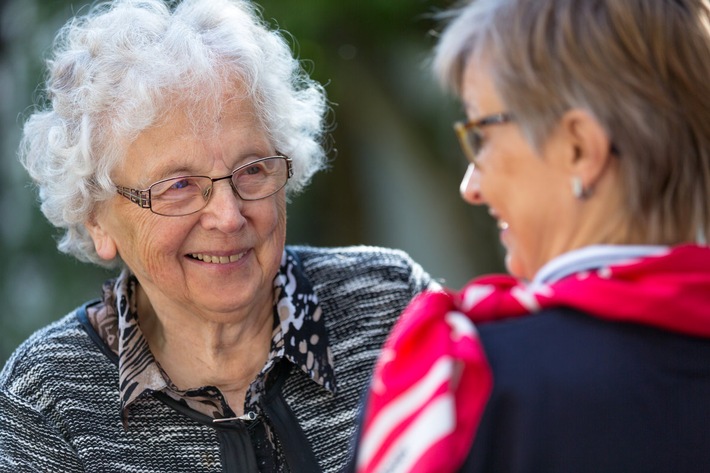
(395, 164)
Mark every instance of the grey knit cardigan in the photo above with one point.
(59, 397)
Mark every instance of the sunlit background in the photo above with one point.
(395, 167)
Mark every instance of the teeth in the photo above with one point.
(218, 259)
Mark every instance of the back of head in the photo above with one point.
(640, 67)
(118, 68)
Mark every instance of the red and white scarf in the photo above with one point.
(432, 381)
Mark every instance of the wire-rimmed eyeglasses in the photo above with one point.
(184, 195)
(470, 133)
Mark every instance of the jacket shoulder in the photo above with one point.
(52, 356)
(366, 263)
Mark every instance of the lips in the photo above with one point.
(218, 259)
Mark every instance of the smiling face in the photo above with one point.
(528, 193)
(219, 261)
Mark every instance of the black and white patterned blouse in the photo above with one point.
(299, 336)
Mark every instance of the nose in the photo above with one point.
(470, 188)
(224, 208)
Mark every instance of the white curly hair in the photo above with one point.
(117, 69)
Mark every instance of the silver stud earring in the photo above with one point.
(578, 188)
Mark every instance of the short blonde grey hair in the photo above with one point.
(640, 67)
(118, 69)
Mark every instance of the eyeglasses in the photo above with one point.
(184, 195)
(470, 133)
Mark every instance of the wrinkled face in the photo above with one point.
(525, 191)
(245, 239)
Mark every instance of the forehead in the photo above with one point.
(187, 140)
(478, 91)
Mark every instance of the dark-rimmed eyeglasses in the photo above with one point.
(185, 195)
(470, 133)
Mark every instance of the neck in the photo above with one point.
(196, 351)
(599, 219)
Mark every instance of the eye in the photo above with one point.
(183, 184)
(253, 169)
(257, 170)
(179, 187)
(475, 139)
(180, 184)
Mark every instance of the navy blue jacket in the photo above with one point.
(577, 394)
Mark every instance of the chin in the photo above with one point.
(515, 266)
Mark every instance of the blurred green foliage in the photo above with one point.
(395, 164)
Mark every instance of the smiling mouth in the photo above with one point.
(502, 225)
(218, 259)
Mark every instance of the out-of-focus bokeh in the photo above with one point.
(395, 167)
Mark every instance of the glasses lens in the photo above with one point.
(180, 196)
(475, 140)
(470, 139)
(261, 178)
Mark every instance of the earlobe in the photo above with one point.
(591, 146)
(103, 242)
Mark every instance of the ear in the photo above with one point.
(103, 242)
(590, 145)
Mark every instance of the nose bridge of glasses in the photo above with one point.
(208, 190)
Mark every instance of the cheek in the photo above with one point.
(147, 247)
(162, 244)
(275, 236)
(271, 218)
(281, 218)
(528, 234)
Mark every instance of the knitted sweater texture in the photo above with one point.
(59, 396)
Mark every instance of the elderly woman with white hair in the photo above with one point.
(171, 139)
(588, 138)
